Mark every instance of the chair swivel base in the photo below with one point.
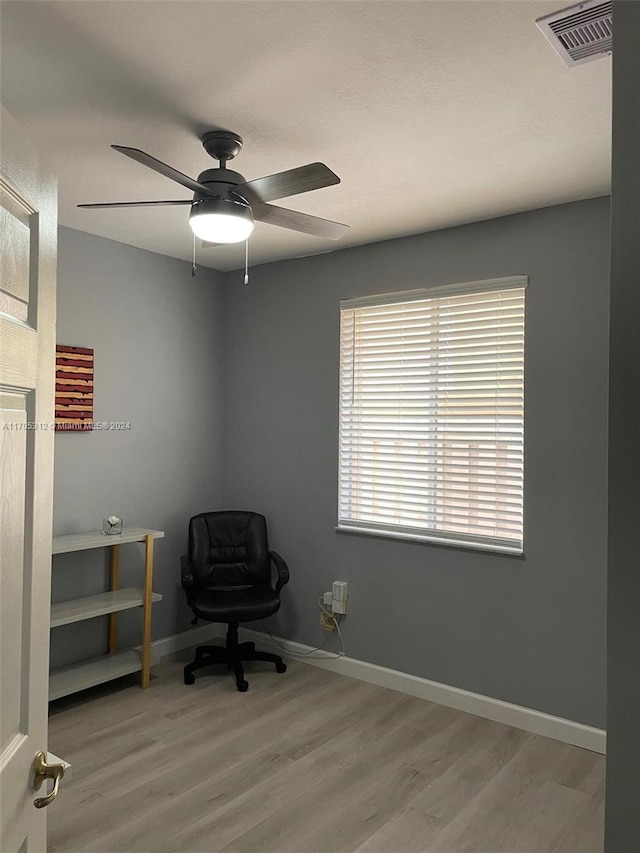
(233, 655)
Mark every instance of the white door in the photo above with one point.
(28, 239)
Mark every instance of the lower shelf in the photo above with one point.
(79, 609)
(88, 673)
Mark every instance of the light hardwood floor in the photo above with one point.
(309, 762)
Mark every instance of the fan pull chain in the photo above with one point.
(246, 262)
(194, 269)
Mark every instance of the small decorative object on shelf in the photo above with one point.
(112, 526)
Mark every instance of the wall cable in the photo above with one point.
(334, 620)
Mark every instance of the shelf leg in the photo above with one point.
(115, 584)
(146, 631)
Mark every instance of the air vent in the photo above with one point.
(580, 33)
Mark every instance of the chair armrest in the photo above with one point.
(281, 568)
(187, 576)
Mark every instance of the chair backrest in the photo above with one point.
(229, 550)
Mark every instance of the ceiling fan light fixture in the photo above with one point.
(220, 220)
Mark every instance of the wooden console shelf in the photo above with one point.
(88, 673)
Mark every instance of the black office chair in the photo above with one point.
(227, 578)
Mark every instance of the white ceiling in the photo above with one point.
(433, 113)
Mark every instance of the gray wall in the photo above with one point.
(157, 335)
(530, 631)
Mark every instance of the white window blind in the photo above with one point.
(432, 415)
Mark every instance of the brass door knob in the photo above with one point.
(40, 772)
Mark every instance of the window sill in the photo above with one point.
(426, 539)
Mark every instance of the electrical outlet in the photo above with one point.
(327, 598)
(339, 590)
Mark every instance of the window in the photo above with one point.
(432, 414)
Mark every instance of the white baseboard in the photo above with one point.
(518, 716)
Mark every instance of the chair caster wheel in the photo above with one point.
(243, 686)
(189, 678)
(281, 667)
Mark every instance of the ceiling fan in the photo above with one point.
(225, 205)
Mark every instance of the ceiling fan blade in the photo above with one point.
(313, 176)
(137, 203)
(162, 168)
(296, 221)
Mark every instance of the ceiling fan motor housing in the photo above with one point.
(220, 181)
